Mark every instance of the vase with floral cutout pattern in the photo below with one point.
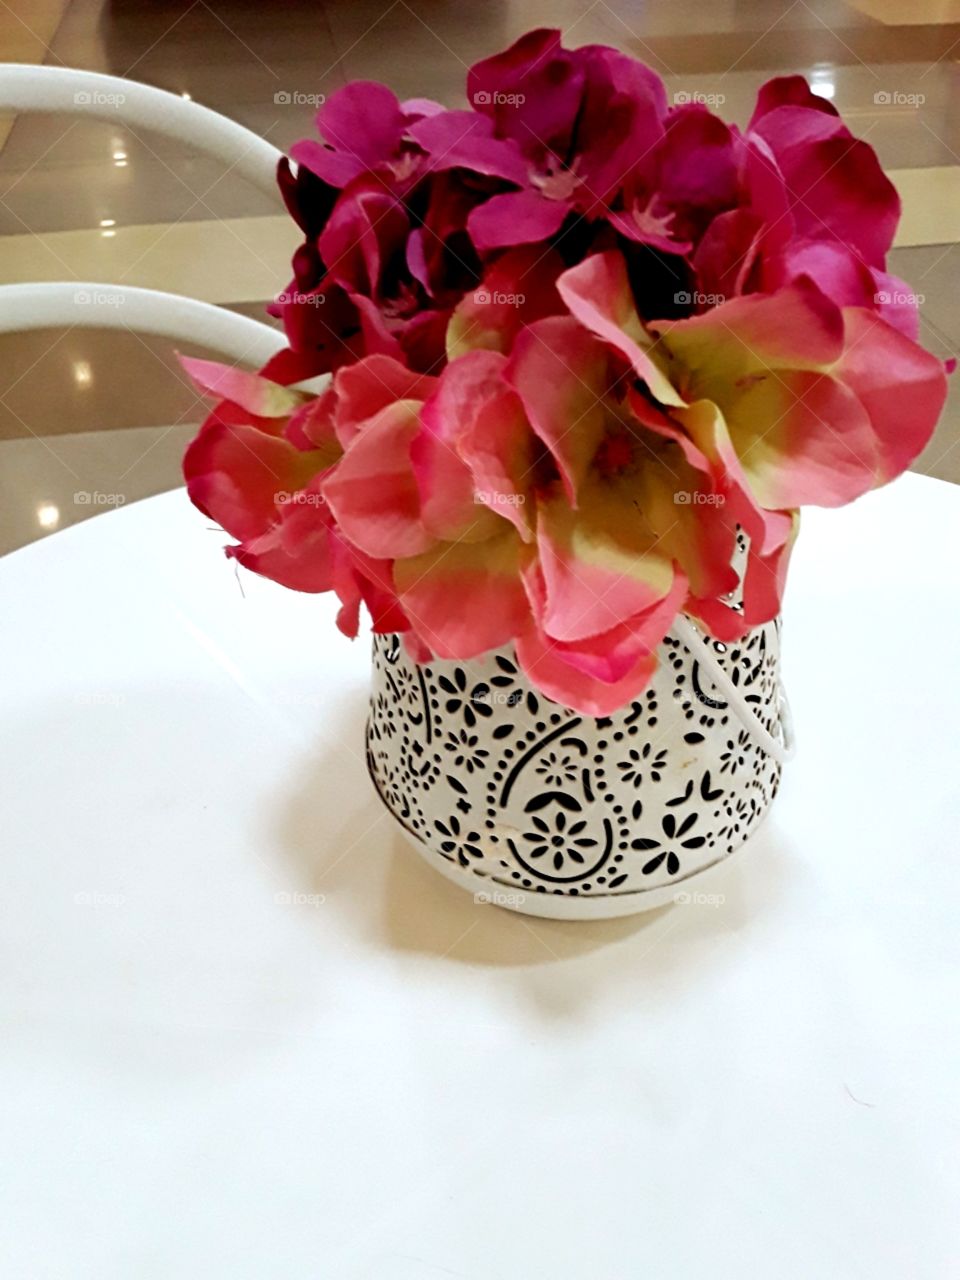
(535, 807)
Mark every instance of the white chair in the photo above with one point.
(184, 320)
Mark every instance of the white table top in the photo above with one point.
(247, 1033)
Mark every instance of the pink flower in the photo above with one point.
(688, 179)
(364, 130)
(376, 279)
(791, 399)
(405, 487)
(813, 202)
(507, 525)
(256, 468)
(565, 127)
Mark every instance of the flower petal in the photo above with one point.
(465, 140)
(367, 227)
(517, 289)
(361, 390)
(803, 437)
(372, 490)
(251, 391)
(601, 564)
(484, 422)
(796, 328)
(598, 294)
(837, 187)
(788, 91)
(901, 386)
(362, 123)
(531, 91)
(561, 375)
(465, 598)
(241, 476)
(546, 666)
(516, 217)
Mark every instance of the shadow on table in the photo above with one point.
(343, 844)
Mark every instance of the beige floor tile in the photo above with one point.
(896, 13)
(931, 205)
(228, 260)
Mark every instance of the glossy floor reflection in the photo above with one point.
(83, 411)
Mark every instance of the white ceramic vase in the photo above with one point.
(531, 806)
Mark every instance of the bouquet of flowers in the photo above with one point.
(577, 339)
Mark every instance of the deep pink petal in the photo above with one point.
(900, 385)
(372, 491)
(788, 91)
(362, 124)
(837, 187)
(545, 665)
(516, 217)
(531, 92)
(363, 389)
(728, 252)
(463, 139)
(463, 598)
(260, 396)
(367, 226)
(698, 171)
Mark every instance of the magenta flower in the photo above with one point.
(364, 130)
(565, 127)
(813, 202)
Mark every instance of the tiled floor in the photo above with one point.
(89, 419)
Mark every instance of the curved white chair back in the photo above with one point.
(96, 305)
(110, 306)
(63, 89)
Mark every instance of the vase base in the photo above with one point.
(699, 886)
